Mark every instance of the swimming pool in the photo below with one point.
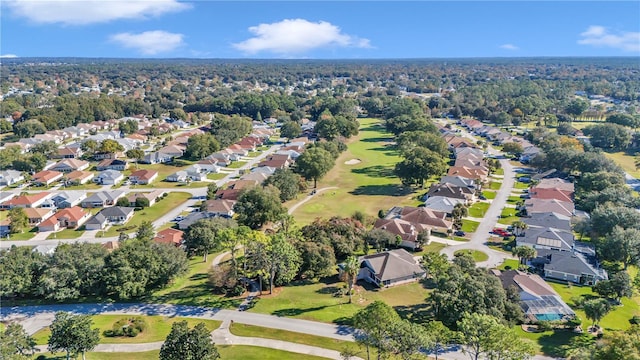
(548, 317)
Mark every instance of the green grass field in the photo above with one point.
(28, 234)
(67, 234)
(625, 161)
(495, 185)
(513, 200)
(549, 342)
(295, 337)
(499, 171)
(151, 213)
(158, 327)
(509, 263)
(237, 164)
(367, 186)
(489, 194)
(469, 226)
(316, 301)
(478, 256)
(478, 209)
(216, 176)
(508, 216)
(521, 185)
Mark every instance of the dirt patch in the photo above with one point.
(353, 162)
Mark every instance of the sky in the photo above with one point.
(317, 29)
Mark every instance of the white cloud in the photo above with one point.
(600, 36)
(149, 42)
(297, 36)
(8, 56)
(509, 47)
(82, 12)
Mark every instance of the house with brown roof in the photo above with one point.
(549, 205)
(143, 176)
(37, 215)
(389, 268)
(138, 137)
(78, 177)
(68, 153)
(451, 191)
(169, 236)
(469, 173)
(172, 150)
(46, 177)
(554, 188)
(112, 164)
(232, 192)
(406, 231)
(436, 221)
(27, 201)
(219, 207)
(69, 165)
(151, 196)
(70, 218)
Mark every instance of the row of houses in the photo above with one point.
(500, 137)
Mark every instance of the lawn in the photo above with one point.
(495, 185)
(295, 337)
(478, 256)
(87, 186)
(521, 185)
(216, 176)
(158, 327)
(67, 234)
(367, 186)
(26, 235)
(489, 194)
(163, 170)
(508, 216)
(617, 319)
(625, 161)
(509, 264)
(316, 301)
(237, 164)
(146, 355)
(499, 171)
(549, 342)
(432, 247)
(170, 184)
(469, 226)
(192, 288)
(478, 209)
(513, 200)
(152, 213)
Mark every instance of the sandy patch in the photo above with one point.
(353, 162)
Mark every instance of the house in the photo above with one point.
(111, 245)
(67, 199)
(27, 201)
(260, 177)
(117, 214)
(78, 177)
(278, 161)
(192, 173)
(447, 190)
(548, 220)
(538, 300)
(143, 176)
(390, 268)
(169, 236)
(549, 205)
(37, 215)
(5, 227)
(70, 218)
(209, 166)
(529, 153)
(554, 188)
(458, 181)
(468, 151)
(68, 152)
(191, 219)
(6, 196)
(151, 196)
(69, 165)
(102, 199)
(406, 232)
(112, 164)
(172, 150)
(220, 207)
(232, 192)
(469, 173)
(546, 238)
(46, 177)
(442, 204)
(568, 266)
(98, 222)
(10, 177)
(156, 158)
(109, 177)
(48, 249)
(434, 220)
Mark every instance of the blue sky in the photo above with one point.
(309, 29)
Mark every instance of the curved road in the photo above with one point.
(309, 197)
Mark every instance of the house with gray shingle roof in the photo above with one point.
(389, 268)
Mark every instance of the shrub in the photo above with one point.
(635, 320)
(545, 326)
(129, 327)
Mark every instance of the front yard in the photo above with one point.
(478, 209)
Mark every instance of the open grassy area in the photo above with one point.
(146, 355)
(299, 338)
(151, 213)
(499, 171)
(494, 185)
(216, 176)
(237, 164)
(626, 161)
(478, 209)
(158, 327)
(432, 247)
(549, 342)
(489, 194)
(521, 185)
(508, 216)
(192, 288)
(367, 186)
(478, 256)
(26, 235)
(469, 226)
(87, 186)
(170, 184)
(316, 301)
(509, 264)
(513, 200)
(67, 234)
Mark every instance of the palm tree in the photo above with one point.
(519, 227)
(524, 253)
(351, 267)
(596, 310)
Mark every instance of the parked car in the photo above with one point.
(459, 233)
(178, 218)
(482, 197)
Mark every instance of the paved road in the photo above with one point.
(309, 197)
(195, 191)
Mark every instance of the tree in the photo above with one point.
(484, 335)
(420, 164)
(621, 245)
(440, 336)
(513, 148)
(28, 128)
(257, 206)
(15, 343)
(435, 264)
(18, 220)
(212, 188)
(314, 163)
(577, 107)
(414, 139)
(376, 325)
(110, 146)
(135, 154)
(286, 181)
(459, 211)
(350, 267)
(200, 236)
(519, 227)
(123, 202)
(290, 130)
(142, 202)
(275, 257)
(596, 309)
(609, 136)
(524, 253)
(318, 260)
(90, 146)
(618, 286)
(624, 120)
(200, 146)
(72, 334)
(183, 343)
(145, 231)
(19, 269)
(604, 220)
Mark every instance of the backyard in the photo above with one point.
(367, 185)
